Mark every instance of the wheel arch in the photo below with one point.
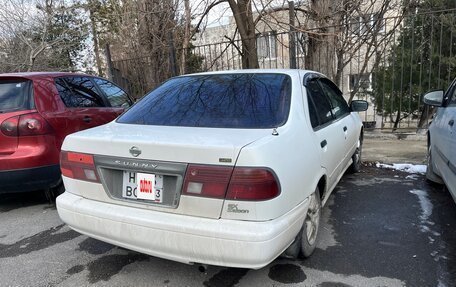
(322, 185)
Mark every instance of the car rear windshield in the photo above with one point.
(221, 101)
(15, 95)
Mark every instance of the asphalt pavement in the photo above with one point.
(380, 228)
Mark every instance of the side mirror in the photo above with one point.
(358, 106)
(434, 98)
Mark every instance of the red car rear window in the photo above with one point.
(15, 95)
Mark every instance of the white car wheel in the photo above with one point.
(430, 174)
(356, 157)
(311, 225)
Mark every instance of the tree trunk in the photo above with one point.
(321, 53)
(397, 120)
(186, 40)
(425, 117)
(96, 47)
(243, 16)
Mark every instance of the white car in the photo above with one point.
(441, 166)
(222, 168)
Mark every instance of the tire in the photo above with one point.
(311, 225)
(430, 174)
(355, 167)
(52, 193)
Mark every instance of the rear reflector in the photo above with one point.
(253, 184)
(240, 183)
(78, 166)
(207, 180)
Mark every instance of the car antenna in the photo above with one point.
(275, 132)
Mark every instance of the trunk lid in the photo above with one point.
(164, 151)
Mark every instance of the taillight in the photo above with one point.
(9, 126)
(207, 180)
(252, 184)
(78, 166)
(25, 125)
(240, 183)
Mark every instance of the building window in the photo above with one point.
(360, 82)
(266, 45)
(367, 23)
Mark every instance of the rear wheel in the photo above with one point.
(311, 225)
(52, 193)
(430, 174)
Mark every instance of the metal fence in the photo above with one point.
(390, 62)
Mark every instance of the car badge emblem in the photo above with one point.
(135, 151)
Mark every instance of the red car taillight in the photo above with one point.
(25, 125)
(78, 166)
(240, 183)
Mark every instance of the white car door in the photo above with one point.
(328, 131)
(341, 112)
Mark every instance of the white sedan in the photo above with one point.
(222, 168)
(442, 138)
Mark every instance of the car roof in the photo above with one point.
(35, 75)
(256, 71)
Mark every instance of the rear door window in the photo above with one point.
(115, 95)
(339, 105)
(222, 100)
(320, 102)
(15, 95)
(79, 92)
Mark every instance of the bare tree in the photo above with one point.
(37, 31)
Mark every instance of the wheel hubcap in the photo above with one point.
(312, 219)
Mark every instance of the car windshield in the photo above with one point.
(221, 101)
(15, 95)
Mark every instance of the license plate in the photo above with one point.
(147, 186)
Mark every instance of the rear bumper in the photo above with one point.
(29, 179)
(183, 238)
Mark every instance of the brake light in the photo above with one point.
(78, 166)
(25, 125)
(9, 126)
(240, 183)
(253, 184)
(207, 181)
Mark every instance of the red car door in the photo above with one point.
(79, 105)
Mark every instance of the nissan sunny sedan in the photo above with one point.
(221, 168)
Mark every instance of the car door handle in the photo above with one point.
(87, 119)
(451, 123)
(345, 129)
(323, 143)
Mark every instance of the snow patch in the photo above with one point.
(426, 205)
(406, 167)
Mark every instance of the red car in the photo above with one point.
(37, 111)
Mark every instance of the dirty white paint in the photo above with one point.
(406, 167)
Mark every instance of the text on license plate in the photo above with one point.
(137, 185)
